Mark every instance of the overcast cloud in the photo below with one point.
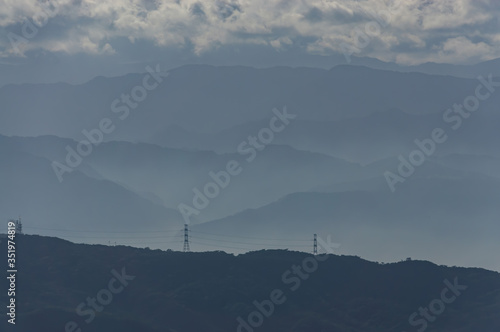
(451, 31)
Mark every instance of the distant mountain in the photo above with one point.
(170, 175)
(174, 291)
(363, 140)
(166, 177)
(174, 150)
(209, 99)
(77, 68)
(432, 68)
(284, 191)
(80, 204)
(448, 218)
(470, 71)
(488, 165)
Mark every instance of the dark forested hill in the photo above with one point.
(153, 290)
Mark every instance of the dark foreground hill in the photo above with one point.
(63, 286)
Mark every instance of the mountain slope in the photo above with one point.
(447, 218)
(173, 291)
(30, 188)
(209, 99)
(169, 175)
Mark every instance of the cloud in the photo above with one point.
(455, 31)
(464, 48)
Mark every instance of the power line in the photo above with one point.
(257, 244)
(111, 237)
(165, 231)
(143, 239)
(223, 246)
(140, 242)
(246, 237)
(100, 232)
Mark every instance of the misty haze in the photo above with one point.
(237, 165)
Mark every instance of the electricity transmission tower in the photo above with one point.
(315, 249)
(186, 238)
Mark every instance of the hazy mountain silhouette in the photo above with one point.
(171, 174)
(425, 215)
(334, 154)
(364, 139)
(209, 99)
(80, 202)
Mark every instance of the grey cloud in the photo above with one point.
(417, 31)
(314, 15)
(226, 9)
(197, 10)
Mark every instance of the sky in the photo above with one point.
(406, 32)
